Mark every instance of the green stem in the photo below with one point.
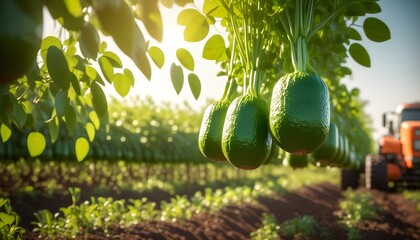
(328, 18)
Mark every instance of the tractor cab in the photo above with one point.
(398, 161)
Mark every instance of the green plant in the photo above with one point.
(269, 230)
(299, 227)
(357, 207)
(9, 222)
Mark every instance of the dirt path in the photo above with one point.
(399, 219)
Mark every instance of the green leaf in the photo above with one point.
(47, 43)
(359, 54)
(89, 41)
(197, 29)
(354, 34)
(58, 67)
(75, 83)
(53, 127)
(90, 130)
(185, 58)
(129, 75)
(113, 59)
(82, 148)
(376, 30)
(195, 85)
(102, 47)
(95, 119)
(372, 7)
(356, 9)
(215, 9)
(7, 218)
(98, 99)
(117, 19)
(177, 77)
(36, 143)
(93, 74)
(62, 102)
(19, 114)
(122, 84)
(214, 47)
(5, 132)
(71, 119)
(185, 16)
(74, 7)
(148, 12)
(157, 56)
(106, 68)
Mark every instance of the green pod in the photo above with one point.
(210, 135)
(21, 26)
(300, 112)
(329, 148)
(246, 141)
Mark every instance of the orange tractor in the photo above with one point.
(398, 161)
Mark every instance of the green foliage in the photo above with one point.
(357, 207)
(299, 227)
(269, 230)
(9, 222)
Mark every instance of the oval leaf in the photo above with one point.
(19, 114)
(7, 218)
(186, 59)
(82, 148)
(74, 7)
(53, 128)
(354, 34)
(376, 30)
(214, 47)
(47, 43)
(197, 29)
(36, 143)
(71, 119)
(106, 68)
(157, 56)
(5, 132)
(148, 12)
(90, 130)
(113, 59)
(185, 16)
(62, 102)
(98, 99)
(58, 67)
(89, 41)
(177, 77)
(129, 75)
(122, 84)
(359, 54)
(75, 83)
(195, 85)
(95, 119)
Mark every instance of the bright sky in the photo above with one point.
(394, 77)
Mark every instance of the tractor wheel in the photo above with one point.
(375, 172)
(349, 179)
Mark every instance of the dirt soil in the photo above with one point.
(399, 219)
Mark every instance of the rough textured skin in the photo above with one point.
(246, 141)
(21, 25)
(210, 135)
(330, 147)
(300, 113)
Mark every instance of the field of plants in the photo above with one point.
(262, 162)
